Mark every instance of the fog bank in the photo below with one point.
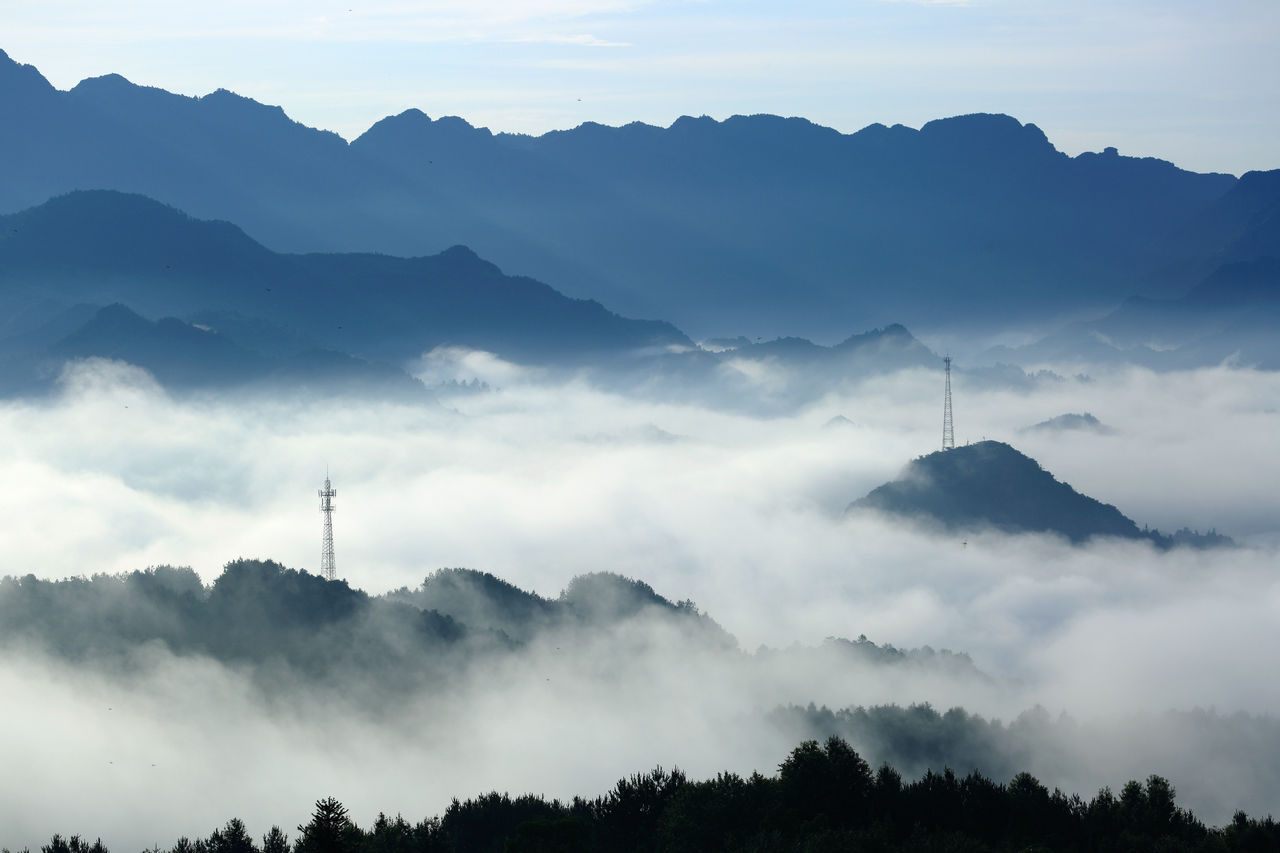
(537, 481)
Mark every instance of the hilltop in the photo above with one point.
(992, 485)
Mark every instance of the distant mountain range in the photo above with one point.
(248, 312)
(1232, 316)
(757, 225)
(200, 305)
(990, 485)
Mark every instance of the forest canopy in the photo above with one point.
(823, 797)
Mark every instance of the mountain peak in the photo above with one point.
(413, 132)
(992, 485)
(234, 100)
(109, 84)
(992, 132)
(20, 78)
(686, 124)
(407, 127)
(107, 209)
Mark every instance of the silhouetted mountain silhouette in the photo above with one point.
(106, 247)
(1071, 422)
(174, 351)
(1230, 316)
(728, 373)
(755, 221)
(1241, 226)
(185, 356)
(992, 485)
(892, 346)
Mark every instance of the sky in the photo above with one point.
(1194, 83)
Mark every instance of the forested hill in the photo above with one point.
(285, 622)
(823, 797)
(414, 656)
(287, 627)
(723, 227)
(991, 485)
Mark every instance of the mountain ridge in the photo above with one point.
(753, 223)
(106, 247)
(340, 316)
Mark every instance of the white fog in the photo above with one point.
(538, 481)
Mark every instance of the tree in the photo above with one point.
(74, 844)
(275, 841)
(561, 835)
(232, 838)
(330, 830)
(628, 817)
(831, 781)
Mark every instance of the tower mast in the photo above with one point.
(327, 569)
(948, 432)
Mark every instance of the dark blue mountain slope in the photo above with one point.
(1232, 315)
(188, 357)
(751, 225)
(104, 247)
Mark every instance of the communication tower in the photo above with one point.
(327, 569)
(948, 433)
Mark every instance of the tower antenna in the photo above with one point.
(327, 569)
(948, 432)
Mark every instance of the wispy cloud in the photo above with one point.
(584, 40)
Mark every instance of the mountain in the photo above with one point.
(1071, 422)
(287, 628)
(105, 247)
(737, 227)
(1230, 316)
(590, 602)
(769, 377)
(992, 485)
(1243, 225)
(199, 304)
(891, 347)
(186, 356)
(230, 313)
(174, 351)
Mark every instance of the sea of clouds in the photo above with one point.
(537, 480)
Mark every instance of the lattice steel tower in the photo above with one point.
(948, 433)
(327, 569)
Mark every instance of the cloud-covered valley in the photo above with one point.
(539, 481)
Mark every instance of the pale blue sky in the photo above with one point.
(1193, 82)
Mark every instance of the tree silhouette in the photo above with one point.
(330, 830)
(275, 841)
(74, 844)
(824, 798)
(232, 838)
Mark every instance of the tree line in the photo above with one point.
(824, 797)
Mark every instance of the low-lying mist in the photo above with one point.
(539, 481)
